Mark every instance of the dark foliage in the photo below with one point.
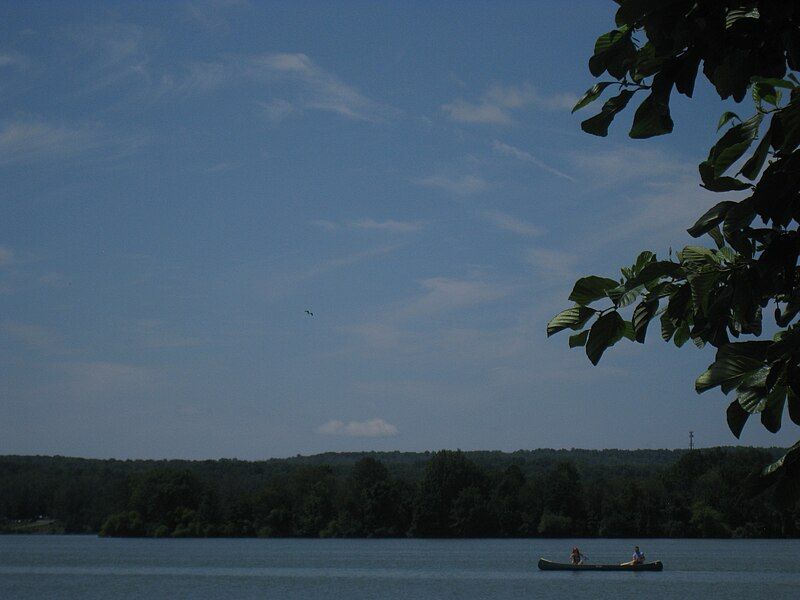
(444, 494)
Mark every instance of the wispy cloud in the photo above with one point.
(277, 110)
(387, 226)
(115, 54)
(30, 334)
(527, 157)
(14, 59)
(405, 326)
(30, 141)
(659, 194)
(390, 225)
(6, 256)
(285, 279)
(512, 224)
(311, 86)
(213, 14)
(558, 264)
(442, 294)
(463, 185)
(93, 377)
(325, 224)
(498, 103)
(616, 166)
(371, 428)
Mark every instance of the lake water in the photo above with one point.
(66, 567)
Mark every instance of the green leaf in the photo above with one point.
(791, 457)
(738, 219)
(578, 339)
(605, 332)
(628, 332)
(681, 335)
(711, 219)
(751, 392)
(642, 315)
(733, 363)
(737, 417)
(644, 259)
(765, 92)
(624, 295)
(592, 94)
(789, 117)
(598, 124)
(775, 82)
(716, 235)
(752, 167)
(725, 184)
(727, 116)
(668, 328)
(589, 289)
(726, 254)
(773, 409)
(702, 283)
(612, 52)
(655, 270)
(733, 144)
(608, 40)
(696, 256)
(737, 14)
(794, 406)
(652, 118)
(574, 318)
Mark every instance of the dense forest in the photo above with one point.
(612, 493)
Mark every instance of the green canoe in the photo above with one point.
(546, 565)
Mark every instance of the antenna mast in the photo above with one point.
(691, 440)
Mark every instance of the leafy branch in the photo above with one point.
(713, 295)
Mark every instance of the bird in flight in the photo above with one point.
(309, 313)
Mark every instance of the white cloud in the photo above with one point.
(113, 53)
(312, 87)
(659, 195)
(25, 142)
(389, 225)
(277, 110)
(213, 14)
(461, 186)
(442, 294)
(498, 103)
(616, 166)
(508, 150)
(12, 59)
(514, 225)
(371, 428)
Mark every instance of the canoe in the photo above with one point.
(546, 565)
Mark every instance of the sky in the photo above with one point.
(182, 181)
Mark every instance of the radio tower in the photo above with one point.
(691, 440)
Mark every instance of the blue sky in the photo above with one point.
(181, 181)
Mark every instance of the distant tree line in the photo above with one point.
(442, 494)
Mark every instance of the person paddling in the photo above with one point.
(638, 557)
(575, 557)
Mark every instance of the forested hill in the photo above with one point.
(430, 494)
